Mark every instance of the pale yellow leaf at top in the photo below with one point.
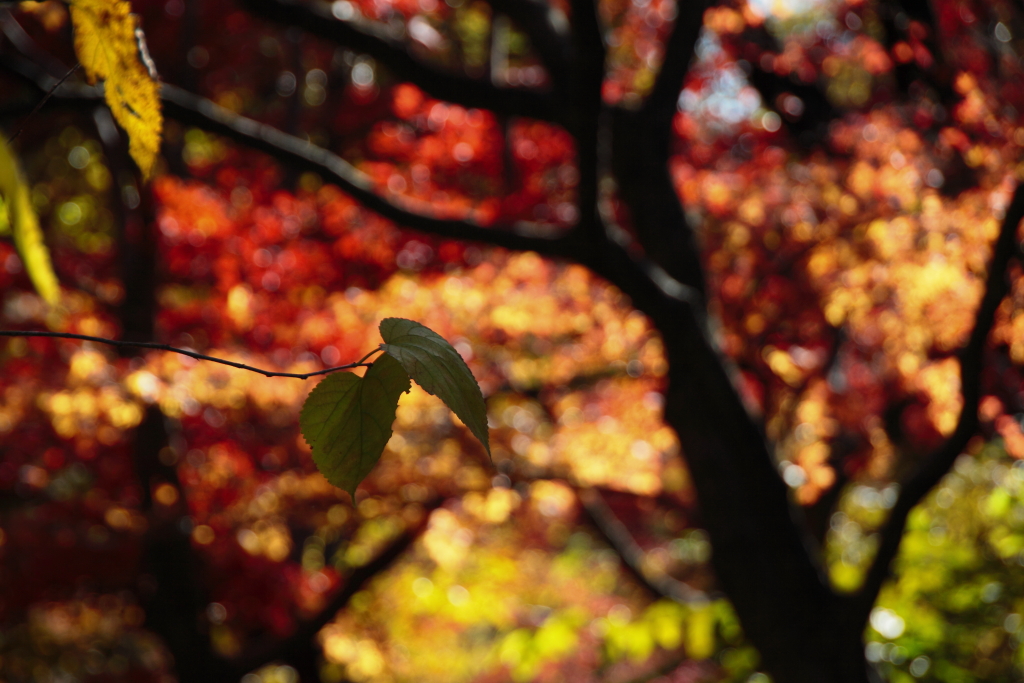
(107, 47)
(23, 222)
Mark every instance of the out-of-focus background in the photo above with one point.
(847, 165)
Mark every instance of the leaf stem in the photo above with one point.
(362, 361)
(186, 352)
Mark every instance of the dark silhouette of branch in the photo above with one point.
(29, 69)
(625, 546)
(201, 112)
(641, 146)
(23, 42)
(640, 277)
(380, 42)
(939, 462)
(643, 280)
(46, 98)
(194, 110)
(186, 352)
(174, 593)
(678, 53)
(301, 645)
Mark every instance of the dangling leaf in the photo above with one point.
(5, 219)
(437, 367)
(108, 43)
(347, 420)
(17, 210)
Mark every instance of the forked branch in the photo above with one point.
(191, 109)
(971, 361)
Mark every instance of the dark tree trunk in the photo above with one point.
(764, 557)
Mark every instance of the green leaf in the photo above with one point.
(438, 368)
(28, 236)
(347, 420)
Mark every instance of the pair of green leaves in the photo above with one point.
(347, 419)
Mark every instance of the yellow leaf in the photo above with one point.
(28, 237)
(107, 47)
(5, 220)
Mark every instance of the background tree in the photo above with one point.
(812, 210)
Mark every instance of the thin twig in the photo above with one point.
(361, 363)
(43, 101)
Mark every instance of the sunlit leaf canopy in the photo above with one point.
(846, 221)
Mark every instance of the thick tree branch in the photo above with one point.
(23, 42)
(376, 40)
(194, 110)
(783, 599)
(647, 283)
(641, 145)
(938, 463)
(198, 111)
(678, 55)
(622, 542)
(186, 352)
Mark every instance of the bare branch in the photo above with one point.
(43, 101)
(186, 352)
(23, 42)
(198, 111)
(623, 543)
(938, 463)
(68, 91)
(194, 110)
(641, 146)
(678, 55)
(376, 40)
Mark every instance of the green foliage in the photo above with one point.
(439, 369)
(526, 650)
(953, 612)
(347, 420)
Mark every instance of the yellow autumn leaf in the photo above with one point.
(5, 220)
(28, 237)
(108, 48)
